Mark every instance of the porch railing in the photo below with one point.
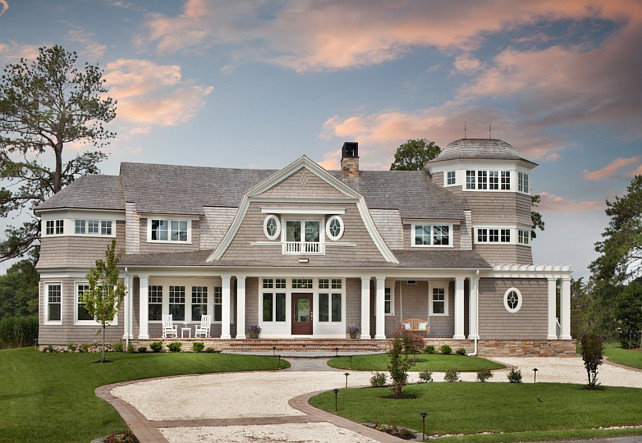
(302, 247)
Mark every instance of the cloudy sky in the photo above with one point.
(258, 84)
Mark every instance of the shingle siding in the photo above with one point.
(214, 225)
(530, 322)
(304, 185)
(505, 254)
(389, 225)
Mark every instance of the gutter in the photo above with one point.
(474, 353)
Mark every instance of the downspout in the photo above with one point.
(474, 353)
(129, 310)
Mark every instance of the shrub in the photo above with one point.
(130, 348)
(175, 346)
(142, 349)
(451, 376)
(461, 351)
(514, 376)
(18, 332)
(198, 346)
(72, 347)
(156, 346)
(484, 375)
(592, 354)
(430, 349)
(118, 347)
(425, 376)
(378, 380)
(446, 349)
(85, 347)
(211, 350)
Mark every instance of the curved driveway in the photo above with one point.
(272, 406)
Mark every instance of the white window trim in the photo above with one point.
(278, 227)
(514, 235)
(169, 220)
(341, 228)
(519, 301)
(511, 176)
(528, 185)
(302, 219)
(65, 227)
(161, 303)
(443, 286)
(46, 300)
(99, 234)
(432, 225)
(392, 301)
(454, 172)
(94, 322)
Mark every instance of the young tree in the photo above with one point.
(592, 354)
(413, 155)
(45, 105)
(399, 365)
(106, 291)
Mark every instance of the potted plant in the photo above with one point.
(353, 331)
(254, 331)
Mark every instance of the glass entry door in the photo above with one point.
(301, 314)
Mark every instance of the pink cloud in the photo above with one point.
(152, 94)
(554, 203)
(636, 171)
(337, 35)
(612, 168)
(12, 51)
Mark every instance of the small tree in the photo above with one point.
(398, 366)
(106, 291)
(592, 354)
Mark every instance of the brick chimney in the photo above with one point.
(350, 160)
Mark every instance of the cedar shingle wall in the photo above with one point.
(495, 322)
(305, 185)
(77, 251)
(505, 254)
(67, 333)
(214, 225)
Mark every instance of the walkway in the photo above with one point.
(273, 406)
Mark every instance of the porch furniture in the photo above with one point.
(169, 328)
(204, 328)
(189, 332)
(415, 325)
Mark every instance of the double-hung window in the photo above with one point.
(438, 304)
(522, 182)
(431, 235)
(450, 178)
(155, 306)
(81, 313)
(523, 237)
(54, 302)
(218, 304)
(177, 302)
(388, 302)
(199, 302)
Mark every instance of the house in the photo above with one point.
(307, 252)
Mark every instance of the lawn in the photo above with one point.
(565, 410)
(50, 397)
(626, 357)
(424, 362)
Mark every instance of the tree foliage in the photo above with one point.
(413, 155)
(536, 217)
(592, 354)
(106, 291)
(45, 105)
(19, 290)
(621, 247)
(399, 362)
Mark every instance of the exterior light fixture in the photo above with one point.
(336, 394)
(535, 375)
(274, 351)
(423, 425)
(347, 374)
(304, 260)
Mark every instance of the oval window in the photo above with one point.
(512, 300)
(272, 227)
(334, 227)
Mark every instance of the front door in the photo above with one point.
(301, 314)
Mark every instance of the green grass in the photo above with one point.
(626, 357)
(50, 397)
(424, 362)
(513, 409)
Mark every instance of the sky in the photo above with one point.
(257, 84)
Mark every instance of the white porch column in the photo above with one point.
(365, 308)
(240, 306)
(565, 309)
(128, 307)
(143, 304)
(552, 309)
(225, 307)
(473, 302)
(380, 309)
(459, 309)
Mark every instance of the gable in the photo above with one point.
(303, 185)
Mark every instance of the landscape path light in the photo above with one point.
(336, 395)
(274, 351)
(347, 374)
(423, 415)
(535, 375)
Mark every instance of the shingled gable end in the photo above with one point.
(304, 253)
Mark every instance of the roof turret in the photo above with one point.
(479, 148)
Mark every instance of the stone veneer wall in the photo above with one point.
(511, 348)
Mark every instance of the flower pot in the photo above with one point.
(253, 334)
(353, 335)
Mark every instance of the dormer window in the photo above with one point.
(302, 236)
(431, 235)
(302, 231)
(171, 231)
